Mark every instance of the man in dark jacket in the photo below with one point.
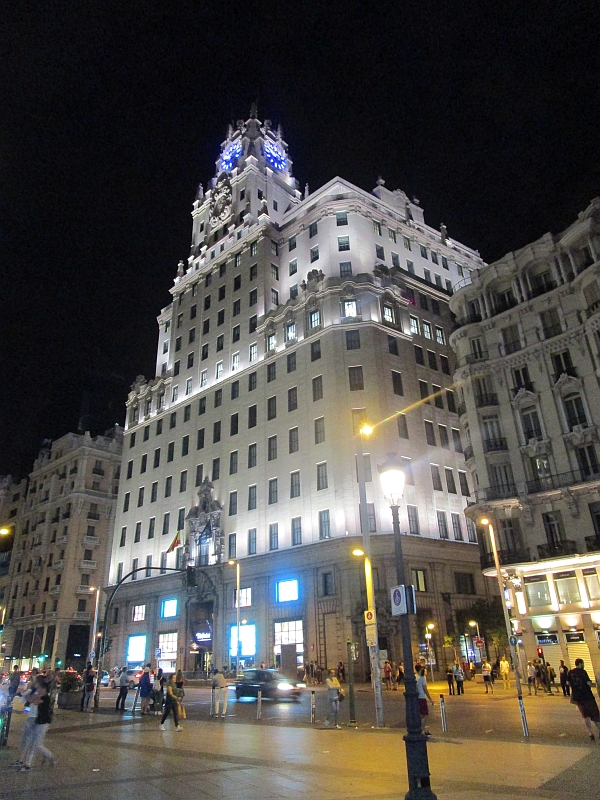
(581, 695)
(145, 689)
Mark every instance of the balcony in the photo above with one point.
(73, 471)
(82, 616)
(540, 289)
(468, 452)
(473, 358)
(570, 371)
(483, 400)
(550, 482)
(58, 564)
(84, 588)
(591, 310)
(504, 306)
(462, 409)
(84, 564)
(529, 387)
(470, 319)
(93, 541)
(55, 519)
(592, 543)
(512, 347)
(505, 557)
(495, 493)
(62, 540)
(66, 515)
(55, 589)
(552, 331)
(565, 548)
(494, 445)
(97, 471)
(93, 515)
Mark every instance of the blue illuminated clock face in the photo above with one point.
(274, 156)
(230, 156)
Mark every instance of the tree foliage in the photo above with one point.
(490, 617)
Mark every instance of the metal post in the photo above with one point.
(509, 633)
(373, 649)
(93, 644)
(351, 700)
(417, 762)
(135, 699)
(212, 701)
(259, 705)
(238, 648)
(443, 713)
(313, 707)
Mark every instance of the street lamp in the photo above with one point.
(474, 624)
(392, 482)
(511, 638)
(93, 643)
(370, 615)
(231, 562)
(428, 628)
(4, 531)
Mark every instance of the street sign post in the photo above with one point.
(371, 632)
(479, 643)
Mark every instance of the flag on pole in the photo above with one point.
(175, 543)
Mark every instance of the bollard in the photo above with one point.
(523, 717)
(212, 701)
(259, 705)
(443, 713)
(313, 707)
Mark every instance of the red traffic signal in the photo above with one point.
(540, 652)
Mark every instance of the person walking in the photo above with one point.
(400, 676)
(42, 697)
(486, 671)
(423, 696)
(505, 672)
(387, 675)
(450, 678)
(88, 688)
(31, 714)
(341, 672)
(531, 677)
(333, 698)
(219, 684)
(563, 674)
(145, 690)
(582, 697)
(551, 678)
(171, 705)
(179, 681)
(123, 689)
(459, 677)
(158, 692)
(394, 677)
(14, 682)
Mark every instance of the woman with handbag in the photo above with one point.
(333, 697)
(171, 705)
(179, 681)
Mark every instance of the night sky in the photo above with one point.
(112, 113)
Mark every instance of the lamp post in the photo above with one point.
(474, 624)
(371, 615)
(93, 643)
(238, 648)
(511, 638)
(428, 628)
(417, 762)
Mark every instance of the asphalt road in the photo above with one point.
(472, 715)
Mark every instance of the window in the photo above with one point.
(442, 525)
(419, 356)
(154, 493)
(253, 352)
(341, 218)
(291, 362)
(138, 613)
(252, 381)
(436, 478)
(314, 253)
(274, 536)
(252, 415)
(293, 267)
(251, 455)
(253, 272)
(379, 252)
(294, 445)
(293, 291)
(183, 481)
(290, 331)
(130, 469)
(123, 537)
(407, 242)
(274, 297)
(450, 482)
(343, 243)
(397, 382)
(393, 346)
(199, 474)
(464, 583)
(388, 314)
(324, 525)
(424, 392)
(352, 340)
(271, 408)
(168, 608)
(252, 541)
(168, 486)
(410, 266)
(252, 497)
(438, 400)
(314, 319)
(177, 367)
(220, 342)
(419, 579)
(395, 259)
(232, 506)
(216, 469)
(457, 527)
(295, 484)
(200, 439)
(235, 390)
(575, 411)
(440, 336)
(296, 531)
(203, 382)
(163, 563)
(233, 424)
(312, 230)
(345, 269)
(315, 350)
(272, 448)
(432, 360)
(217, 431)
(402, 426)
(319, 430)
(472, 531)
(322, 476)
(445, 365)
(451, 401)
(355, 376)
(272, 491)
(456, 440)
(253, 298)
(430, 433)
(414, 325)
(293, 398)
(252, 324)
(286, 591)
(413, 520)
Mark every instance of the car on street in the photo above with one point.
(133, 675)
(270, 682)
(105, 678)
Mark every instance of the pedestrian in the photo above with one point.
(387, 675)
(505, 672)
(158, 692)
(450, 679)
(582, 697)
(472, 670)
(486, 671)
(333, 698)
(400, 676)
(551, 678)
(539, 682)
(88, 688)
(423, 695)
(341, 672)
(14, 682)
(171, 705)
(394, 677)
(145, 690)
(30, 710)
(459, 677)
(42, 697)
(563, 674)
(531, 677)
(179, 681)
(219, 684)
(123, 689)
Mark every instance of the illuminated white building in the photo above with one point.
(295, 317)
(528, 351)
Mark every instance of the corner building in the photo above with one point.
(528, 348)
(294, 318)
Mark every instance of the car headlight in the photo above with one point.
(301, 685)
(284, 686)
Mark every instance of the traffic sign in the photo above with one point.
(371, 631)
(479, 643)
(370, 618)
(157, 653)
(513, 641)
(92, 654)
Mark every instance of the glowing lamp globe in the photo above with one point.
(391, 476)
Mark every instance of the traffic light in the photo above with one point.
(540, 652)
(59, 662)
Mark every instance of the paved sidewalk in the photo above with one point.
(108, 757)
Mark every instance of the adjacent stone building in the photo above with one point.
(528, 350)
